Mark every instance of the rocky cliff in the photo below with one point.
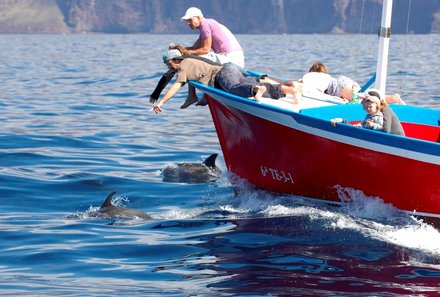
(241, 16)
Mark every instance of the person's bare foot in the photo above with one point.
(260, 91)
(295, 99)
(289, 90)
(298, 94)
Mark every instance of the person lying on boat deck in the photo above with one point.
(228, 77)
(390, 122)
(317, 81)
(342, 86)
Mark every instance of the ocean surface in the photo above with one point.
(75, 126)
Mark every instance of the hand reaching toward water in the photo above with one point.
(157, 109)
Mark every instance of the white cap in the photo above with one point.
(172, 54)
(192, 12)
(372, 95)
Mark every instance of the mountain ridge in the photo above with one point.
(261, 17)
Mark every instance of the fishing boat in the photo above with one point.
(293, 149)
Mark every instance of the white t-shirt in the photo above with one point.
(316, 81)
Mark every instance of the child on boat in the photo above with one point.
(390, 123)
(374, 118)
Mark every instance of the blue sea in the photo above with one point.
(75, 126)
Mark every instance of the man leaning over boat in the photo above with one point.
(228, 77)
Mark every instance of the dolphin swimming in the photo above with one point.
(110, 211)
(192, 173)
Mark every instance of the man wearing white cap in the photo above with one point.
(215, 42)
(213, 36)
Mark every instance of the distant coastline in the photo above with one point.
(264, 17)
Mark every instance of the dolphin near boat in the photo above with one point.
(192, 173)
(110, 211)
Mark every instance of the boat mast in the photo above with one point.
(384, 43)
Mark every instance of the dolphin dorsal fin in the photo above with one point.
(108, 200)
(210, 161)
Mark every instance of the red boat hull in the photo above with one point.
(290, 157)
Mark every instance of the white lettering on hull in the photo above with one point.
(275, 174)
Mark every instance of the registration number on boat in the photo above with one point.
(275, 174)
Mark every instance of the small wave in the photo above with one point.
(121, 95)
(174, 213)
(95, 81)
(417, 236)
(84, 215)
